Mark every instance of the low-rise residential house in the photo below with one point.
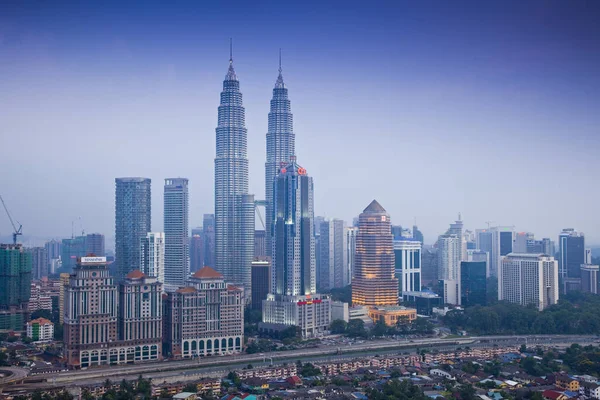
(566, 382)
(589, 389)
(185, 396)
(441, 373)
(553, 395)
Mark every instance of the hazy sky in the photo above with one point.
(491, 109)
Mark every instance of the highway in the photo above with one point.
(219, 366)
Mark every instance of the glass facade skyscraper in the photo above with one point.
(280, 146)
(132, 222)
(234, 207)
(176, 215)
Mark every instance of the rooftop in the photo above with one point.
(374, 207)
(136, 274)
(207, 273)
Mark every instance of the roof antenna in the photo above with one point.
(230, 50)
(280, 60)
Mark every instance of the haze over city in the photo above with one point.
(490, 110)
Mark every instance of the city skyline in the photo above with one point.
(531, 90)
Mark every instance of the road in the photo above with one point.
(12, 374)
(219, 366)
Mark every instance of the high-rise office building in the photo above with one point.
(261, 281)
(418, 235)
(396, 231)
(548, 248)
(473, 283)
(480, 256)
(94, 244)
(53, 252)
(374, 282)
(457, 228)
(132, 222)
(208, 234)
(293, 299)
(333, 267)
(429, 267)
(351, 232)
(571, 253)
(407, 255)
(502, 245)
(196, 250)
(152, 256)
(280, 145)
(176, 215)
(39, 262)
(71, 249)
(15, 287)
(204, 318)
(260, 243)
(139, 323)
(521, 241)
(234, 207)
(589, 278)
(528, 279)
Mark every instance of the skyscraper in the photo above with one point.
(39, 262)
(208, 235)
(280, 145)
(293, 299)
(407, 256)
(374, 282)
(94, 244)
(196, 250)
(15, 287)
(152, 261)
(132, 222)
(70, 250)
(351, 232)
(449, 256)
(571, 253)
(502, 245)
(261, 281)
(528, 279)
(293, 254)
(260, 243)
(418, 235)
(176, 207)
(52, 252)
(473, 283)
(234, 208)
(333, 266)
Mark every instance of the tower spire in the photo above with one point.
(279, 83)
(230, 51)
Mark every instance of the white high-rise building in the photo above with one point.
(407, 254)
(177, 244)
(449, 256)
(152, 261)
(350, 234)
(528, 279)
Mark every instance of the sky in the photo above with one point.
(490, 109)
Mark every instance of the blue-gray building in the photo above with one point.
(176, 220)
(132, 222)
(473, 283)
(280, 146)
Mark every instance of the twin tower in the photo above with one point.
(234, 206)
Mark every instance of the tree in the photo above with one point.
(191, 388)
(380, 328)
(356, 328)
(309, 370)
(86, 395)
(338, 326)
(398, 390)
(3, 358)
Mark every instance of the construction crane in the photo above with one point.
(16, 232)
